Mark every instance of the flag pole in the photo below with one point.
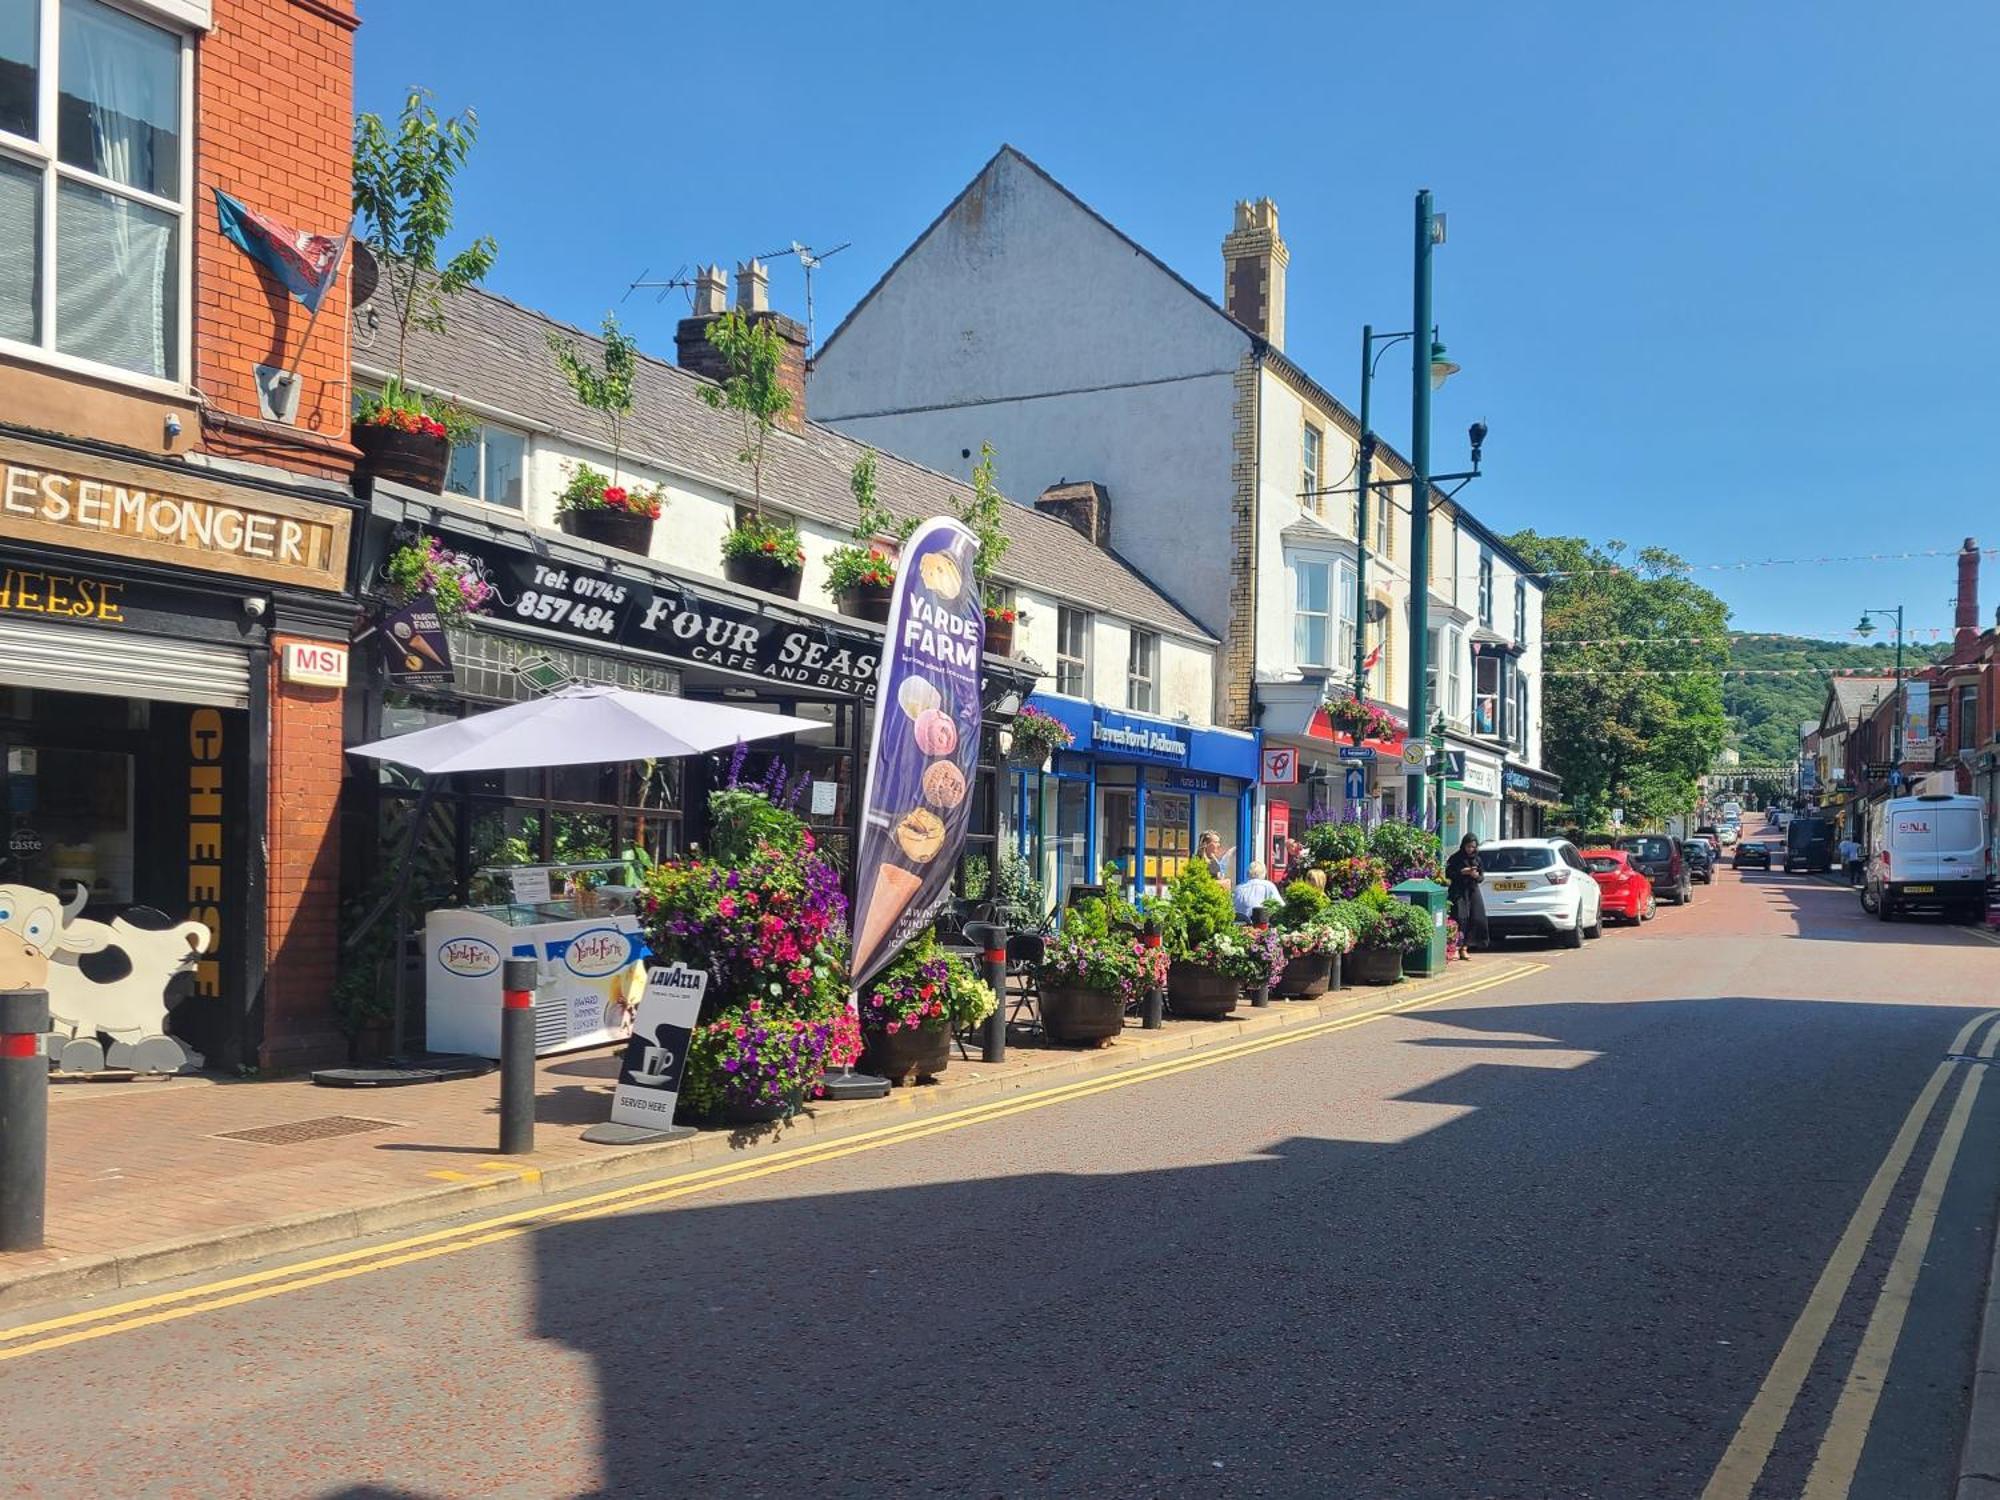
(326, 286)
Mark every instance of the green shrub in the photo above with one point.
(1327, 842)
(1303, 902)
(1408, 851)
(1196, 908)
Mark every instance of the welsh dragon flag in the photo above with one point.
(306, 263)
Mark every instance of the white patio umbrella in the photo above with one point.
(588, 724)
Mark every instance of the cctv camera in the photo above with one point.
(254, 606)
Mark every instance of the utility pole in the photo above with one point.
(1414, 800)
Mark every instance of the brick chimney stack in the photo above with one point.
(1965, 635)
(1085, 505)
(695, 353)
(1254, 258)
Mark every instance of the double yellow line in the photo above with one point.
(1839, 1453)
(235, 1291)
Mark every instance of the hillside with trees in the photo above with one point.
(1766, 709)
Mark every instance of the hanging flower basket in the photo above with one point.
(1362, 721)
(1038, 735)
(764, 555)
(455, 582)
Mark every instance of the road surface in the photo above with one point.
(1703, 1210)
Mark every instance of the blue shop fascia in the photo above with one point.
(1135, 790)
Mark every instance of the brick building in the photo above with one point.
(170, 534)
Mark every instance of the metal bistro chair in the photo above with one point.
(950, 929)
(1025, 952)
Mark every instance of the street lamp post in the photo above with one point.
(1427, 227)
(1867, 628)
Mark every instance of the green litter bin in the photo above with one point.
(1429, 896)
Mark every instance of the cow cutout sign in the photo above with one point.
(110, 984)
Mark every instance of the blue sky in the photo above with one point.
(1722, 276)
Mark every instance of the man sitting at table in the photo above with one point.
(1255, 892)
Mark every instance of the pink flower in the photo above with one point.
(726, 907)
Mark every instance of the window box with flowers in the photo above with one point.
(1000, 621)
(593, 509)
(1037, 735)
(764, 553)
(456, 584)
(912, 1007)
(406, 437)
(1097, 968)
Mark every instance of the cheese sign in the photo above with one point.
(315, 664)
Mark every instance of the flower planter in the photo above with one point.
(760, 1114)
(1081, 1015)
(1305, 976)
(1198, 993)
(916, 1053)
(865, 601)
(413, 458)
(371, 1042)
(1000, 637)
(1375, 965)
(610, 528)
(764, 573)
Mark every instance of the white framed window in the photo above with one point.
(491, 467)
(1486, 588)
(1142, 672)
(96, 177)
(1520, 724)
(1520, 611)
(1312, 591)
(1444, 672)
(1345, 605)
(1309, 469)
(1488, 671)
(1073, 651)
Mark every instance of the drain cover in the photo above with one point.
(324, 1128)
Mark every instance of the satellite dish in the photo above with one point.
(367, 272)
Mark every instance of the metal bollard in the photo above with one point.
(1260, 919)
(1154, 1013)
(24, 1119)
(992, 937)
(517, 1056)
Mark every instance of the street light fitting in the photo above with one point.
(1442, 369)
(1867, 625)
(1476, 435)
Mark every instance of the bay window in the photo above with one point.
(1312, 587)
(95, 169)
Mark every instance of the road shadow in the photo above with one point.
(1530, 1274)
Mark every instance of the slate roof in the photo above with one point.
(1853, 694)
(495, 353)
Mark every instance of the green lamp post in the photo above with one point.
(1867, 628)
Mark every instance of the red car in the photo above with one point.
(1628, 893)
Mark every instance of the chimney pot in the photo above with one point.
(711, 292)
(753, 287)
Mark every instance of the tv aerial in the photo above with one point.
(679, 280)
(812, 260)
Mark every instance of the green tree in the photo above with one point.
(403, 190)
(981, 511)
(605, 388)
(1623, 725)
(751, 354)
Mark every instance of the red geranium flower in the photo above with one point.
(770, 546)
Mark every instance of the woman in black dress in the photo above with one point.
(1468, 901)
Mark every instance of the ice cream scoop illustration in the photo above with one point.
(935, 732)
(920, 835)
(941, 575)
(944, 785)
(917, 696)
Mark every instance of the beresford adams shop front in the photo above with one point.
(147, 699)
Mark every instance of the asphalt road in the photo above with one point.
(1552, 1238)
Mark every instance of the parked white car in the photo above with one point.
(1933, 854)
(1540, 887)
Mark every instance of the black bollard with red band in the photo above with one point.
(1155, 1008)
(517, 1056)
(24, 1119)
(991, 937)
(1260, 919)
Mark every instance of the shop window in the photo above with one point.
(1309, 470)
(99, 278)
(1073, 651)
(1311, 597)
(1142, 672)
(486, 664)
(490, 466)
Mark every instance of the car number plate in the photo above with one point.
(1510, 885)
(1918, 890)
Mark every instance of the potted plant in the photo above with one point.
(456, 584)
(763, 912)
(1212, 955)
(1384, 930)
(403, 191)
(1000, 621)
(1038, 735)
(1360, 720)
(861, 576)
(1094, 970)
(1312, 943)
(912, 1006)
(594, 509)
(764, 553)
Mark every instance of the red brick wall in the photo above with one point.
(302, 873)
(274, 96)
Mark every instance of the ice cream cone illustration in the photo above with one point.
(415, 645)
(895, 889)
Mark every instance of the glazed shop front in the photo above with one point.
(1134, 792)
(146, 612)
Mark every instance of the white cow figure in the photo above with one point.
(110, 981)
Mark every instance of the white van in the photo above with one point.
(1932, 852)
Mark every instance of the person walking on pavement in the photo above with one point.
(1255, 892)
(1464, 879)
(1850, 860)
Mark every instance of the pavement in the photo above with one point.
(1705, 1209)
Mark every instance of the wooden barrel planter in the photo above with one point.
(1000, 637)
(764, 573)
(866, 601)
(1306, 976)
(1198, 993)
(1081, 1016)
(1375, 965)
(609, 528)
(414, 458)
(915, 1054)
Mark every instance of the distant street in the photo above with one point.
(1581, 1233)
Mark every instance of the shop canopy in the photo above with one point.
(581, 725)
